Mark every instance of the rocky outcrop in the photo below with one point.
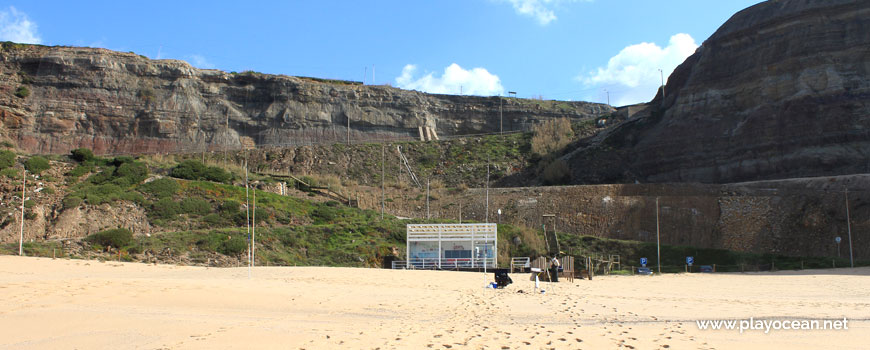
(114, 102)
(781, 90)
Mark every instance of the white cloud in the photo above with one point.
(199, 61)
(540, 10)
(632, 75)
(16, 26)
(455, 80)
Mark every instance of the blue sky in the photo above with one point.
(555, 49)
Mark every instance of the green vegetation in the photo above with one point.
(22, 92)
(195, 206)
(113, 183)
(37, 164)
(160, 188)
(82, 155)
(117, 238)
(80, 170)
(195, 170)
(7, 159)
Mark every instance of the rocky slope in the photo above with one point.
(115, 102)
(780, 90)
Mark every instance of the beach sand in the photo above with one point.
(78, 304)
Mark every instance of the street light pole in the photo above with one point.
(849, 226)
(658, 240)
(662, 75)
(21, 233)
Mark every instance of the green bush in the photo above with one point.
(117, 238)
(195, 206)
(215, 220)
(11, 173)
(161, 188)
(71, 202)
(29, 203)
(37, 164)
(80, 170)
(48, 190)
(234, 245)
(104, 193)
(22, 92)
(29, 215)
(135, 172)
(165, 208)
(82, 155)
(194, 170)
(7, 159)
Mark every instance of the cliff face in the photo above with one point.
(116, 102)
(780, 90)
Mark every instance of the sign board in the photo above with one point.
(837, 239)
(690, 260)
(643, 262)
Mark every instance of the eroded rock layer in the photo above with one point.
(781, 90)
(115, 102)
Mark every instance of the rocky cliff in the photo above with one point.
(781, 90)
(115, 102)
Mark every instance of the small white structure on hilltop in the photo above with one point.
(451, 246)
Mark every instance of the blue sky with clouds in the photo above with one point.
(556, 49)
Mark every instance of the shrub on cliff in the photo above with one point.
(194, 170)
(7, 159)
(117, 238)
(551, 136)
(165, 208)
(82, 155)
(22, 92)
(195, 206)
(37, 164)
(161, 188)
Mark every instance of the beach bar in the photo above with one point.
(451, 246)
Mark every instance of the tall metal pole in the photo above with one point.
(662, 74)
(21, 233)
(849, 226)
(427, 198)
(383, 173)
(248, 215)
(254, 230)
(487, 189)
(658, 240)
(460, 212)
(500, 116)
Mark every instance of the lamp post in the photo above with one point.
(849, 227)
(23, 194)
(658, 240)
(662, 75)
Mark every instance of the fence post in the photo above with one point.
(714, 267)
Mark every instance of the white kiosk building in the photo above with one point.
(451, 246)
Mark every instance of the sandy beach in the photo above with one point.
(77, 304)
